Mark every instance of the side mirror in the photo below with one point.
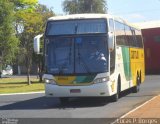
(110, 41)
(36, 43)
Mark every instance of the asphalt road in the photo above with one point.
(37, 106)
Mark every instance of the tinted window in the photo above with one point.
(91, 26)
(78, 55)
(120, 34)
(134, 38)
(139, 38)
(76, 27)
(128, 35)
(59, 27)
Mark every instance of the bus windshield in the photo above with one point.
(77, 55)
(76, 27)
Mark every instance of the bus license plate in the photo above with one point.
(75, 91)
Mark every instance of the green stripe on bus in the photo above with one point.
(85, 79)
(126, 63)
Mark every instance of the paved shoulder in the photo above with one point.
(150, 109)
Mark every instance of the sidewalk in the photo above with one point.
(150, 109)
(147, 113)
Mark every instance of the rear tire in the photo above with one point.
(136, 89)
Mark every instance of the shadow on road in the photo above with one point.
(36, 103)
(129, 93)
(86, 102)
(53, 103)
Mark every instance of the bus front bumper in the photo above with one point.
(94, 90)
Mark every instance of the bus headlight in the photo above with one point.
(49, 81)
(101, 80)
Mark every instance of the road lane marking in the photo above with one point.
(135, 109)
(27, 93)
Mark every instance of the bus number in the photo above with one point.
(134, 54)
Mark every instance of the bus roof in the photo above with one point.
(80, 16)
(89, 16)
(85, 16)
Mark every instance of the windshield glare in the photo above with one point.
(85, 54)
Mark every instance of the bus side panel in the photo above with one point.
(123, 66)
(137, 64)
(126, 63)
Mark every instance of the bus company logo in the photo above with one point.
(119, 56)
(134, 55)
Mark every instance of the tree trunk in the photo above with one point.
(28, 76)
(28, 71)
(40, 77)
(40, 73)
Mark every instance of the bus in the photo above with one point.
(151, 37)
(91, 55)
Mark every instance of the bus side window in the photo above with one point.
(139, 38)
(129, 35)
(112, 54)
(120, 34)
(134, 39)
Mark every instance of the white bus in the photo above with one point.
(91, 55)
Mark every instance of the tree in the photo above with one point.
(8, 41)
(22, 8)
(45, 13)
(71, 6)
(84, 6)
(33, 23)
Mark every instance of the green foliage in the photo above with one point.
(8, 41)
(24, 4)
(33, 23)
(84, 6)
(20, 21)
(71, 6)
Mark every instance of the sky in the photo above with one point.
(130, 10)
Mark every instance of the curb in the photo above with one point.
(139, 106)
(123, 116)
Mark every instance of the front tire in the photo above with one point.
(115, 97)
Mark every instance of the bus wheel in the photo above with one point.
(137, 87)
(115, 97)
(64, 100)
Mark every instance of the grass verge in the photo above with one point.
(19, 85)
